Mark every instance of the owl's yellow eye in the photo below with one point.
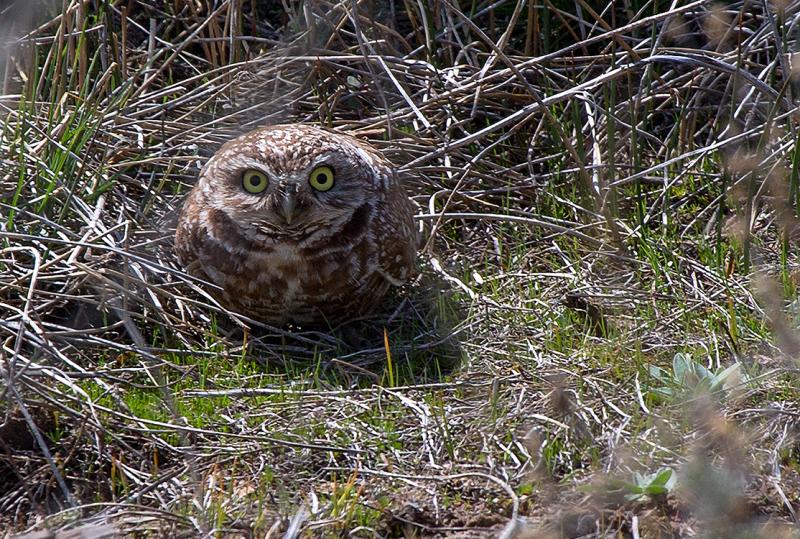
(321, 178)
(254, 181)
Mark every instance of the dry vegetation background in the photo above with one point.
(603, 338)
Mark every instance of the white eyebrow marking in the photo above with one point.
(365, 156)
(242, 161)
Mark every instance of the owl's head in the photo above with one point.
(291, 180)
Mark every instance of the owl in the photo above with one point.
(297, 224)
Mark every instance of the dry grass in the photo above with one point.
(604, 337)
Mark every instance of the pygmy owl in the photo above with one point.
(298, 224)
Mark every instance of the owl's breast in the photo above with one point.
(323, 278)
(286, 283)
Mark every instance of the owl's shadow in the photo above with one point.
(414, 338)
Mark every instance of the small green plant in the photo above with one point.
(689, 375)
(651, 485)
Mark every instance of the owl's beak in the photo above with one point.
(288, 204)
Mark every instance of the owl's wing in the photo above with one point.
(398, 239)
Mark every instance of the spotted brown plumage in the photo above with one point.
(285, 245)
